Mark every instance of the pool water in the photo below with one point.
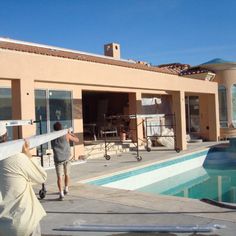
(215, 184)
(209, 173)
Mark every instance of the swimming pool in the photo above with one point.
(183, 176)
(148, 174)
(215, 184)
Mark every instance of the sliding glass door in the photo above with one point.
(60, 108)
(41, 110)
(52, 106)
(192, 114)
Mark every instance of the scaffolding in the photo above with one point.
(154, 127)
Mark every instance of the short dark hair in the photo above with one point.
(57, 126)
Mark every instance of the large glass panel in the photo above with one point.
(192, 114)
(234, 105)
(60, 107)
(187, 114)
(6, 108)
(223, 107)
(41, 110)
(41, 115)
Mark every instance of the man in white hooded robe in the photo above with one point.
(20, 210)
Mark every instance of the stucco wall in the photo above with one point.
(227, 78)
(47, 68)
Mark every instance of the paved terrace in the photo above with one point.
(99, 205)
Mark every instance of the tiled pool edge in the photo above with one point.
(135, 171)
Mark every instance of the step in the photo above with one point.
(195, 140)
(96, 150)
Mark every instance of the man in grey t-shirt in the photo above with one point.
(62, 154)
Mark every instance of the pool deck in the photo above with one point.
(89, 204)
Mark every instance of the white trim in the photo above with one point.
(61, 49)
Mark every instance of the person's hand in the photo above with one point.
(72, 137)
(25, 149)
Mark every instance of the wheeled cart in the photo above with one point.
(154, 125)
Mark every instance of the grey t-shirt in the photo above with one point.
(61, 149)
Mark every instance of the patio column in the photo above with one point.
(23, 103)
(78, 122)
(135, 107)
(209, 116)
(178, 99)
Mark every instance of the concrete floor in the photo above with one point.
(87, 204)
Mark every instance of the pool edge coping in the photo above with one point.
(123, 171)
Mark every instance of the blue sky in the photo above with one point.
(156, 31)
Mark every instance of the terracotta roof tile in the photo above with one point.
(174, 67)
(194, 70)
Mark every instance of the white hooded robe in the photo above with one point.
(20, 210)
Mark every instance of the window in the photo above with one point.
(233, 93)
(223, 106)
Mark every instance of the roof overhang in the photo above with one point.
(208, 76)
(218, 67)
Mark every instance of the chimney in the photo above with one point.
(112, 50)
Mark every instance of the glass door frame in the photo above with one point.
(47, 94)
(188, 116)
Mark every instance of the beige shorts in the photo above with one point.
(63, 168)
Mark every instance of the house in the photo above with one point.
(77, 88)
(224, 73)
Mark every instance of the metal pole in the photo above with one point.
(136, 127)
(42, 192)
(142, 228)
(11, 148)
(41, 146)
(146, 133)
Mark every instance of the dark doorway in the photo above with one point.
(96, 105)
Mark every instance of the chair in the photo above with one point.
(108, 129)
